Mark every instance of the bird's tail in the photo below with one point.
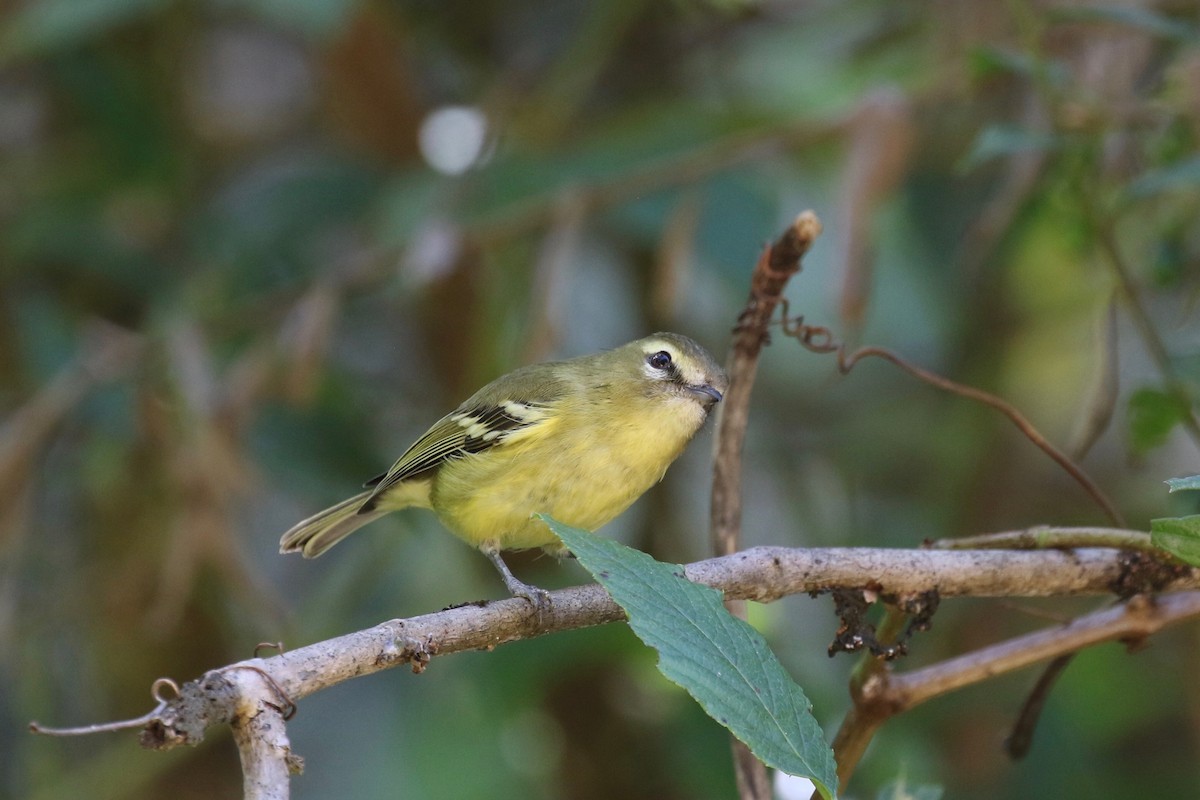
(321, 531)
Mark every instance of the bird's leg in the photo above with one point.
(539, 598)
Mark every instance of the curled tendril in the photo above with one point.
(269, 646)
(819, 339)
(287, 706)
(156, 691)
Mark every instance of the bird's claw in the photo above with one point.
(537, 597)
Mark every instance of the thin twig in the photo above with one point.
(1021, 739)
(1044, 537)
(886, 695)
(1102, 400)
(821, 340)
(1103, 231)
(124, 724)
(775, 266)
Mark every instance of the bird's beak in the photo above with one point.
(706, 394)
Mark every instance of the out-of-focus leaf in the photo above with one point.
(1004, 140)
(46, 25)
(1183, 174)
(1182, 484)
(1142, 19)
(720, 660)
(1152, 415)
(1179, 536)
(986, 62)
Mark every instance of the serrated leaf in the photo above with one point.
(1183, 484)
(1179, 536)
(722, 662)
(1152, 416)
(1004, 140)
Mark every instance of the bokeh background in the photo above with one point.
(249, 250)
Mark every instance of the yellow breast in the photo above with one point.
(582, 466)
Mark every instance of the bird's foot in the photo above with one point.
(539, 598)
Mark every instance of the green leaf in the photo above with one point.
(1004, 140)
(1183, 484)
(1179, 536)
(1152, 415)
(720, 660)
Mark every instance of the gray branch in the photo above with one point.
(255, 697)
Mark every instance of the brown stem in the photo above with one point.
(821, 340)
(886, 694)
(1044, 537)
(1102, 400)
(775, 266)
(1103, 231)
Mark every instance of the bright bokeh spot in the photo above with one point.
(452, 138)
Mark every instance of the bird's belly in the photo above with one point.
(583, 483)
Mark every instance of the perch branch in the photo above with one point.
(762, 574)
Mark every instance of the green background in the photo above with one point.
(230, 198)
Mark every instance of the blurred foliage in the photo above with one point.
(231, 288)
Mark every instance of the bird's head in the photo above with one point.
(676, 365)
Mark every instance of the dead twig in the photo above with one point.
(821, 340)
(884, 694)
(775, 266)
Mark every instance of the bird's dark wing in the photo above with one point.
(475, 426)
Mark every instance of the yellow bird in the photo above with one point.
(578, 440)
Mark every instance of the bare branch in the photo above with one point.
(1101, 402)
(884, 694)
(1105, 233)
(260, 733)
(1046, 537)
(775, 266)
(821, 340)
(762, 573)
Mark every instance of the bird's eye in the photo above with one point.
(660, 360)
